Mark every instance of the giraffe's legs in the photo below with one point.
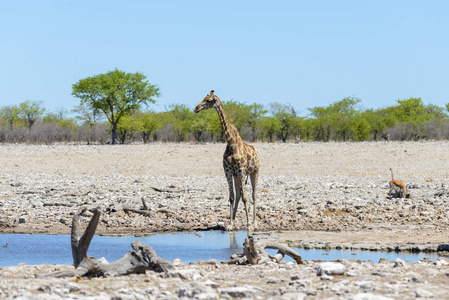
(241, 181)
(229, 178)
(254, 178)
(238, 192)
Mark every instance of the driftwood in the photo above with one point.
(144, 204)
(146, 211)
(143, 211)
(171, 189)
(136, 261)
(128, 209)
(59, 204)
(254, 253)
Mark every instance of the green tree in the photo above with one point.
(376, 120)
(204, 124)
(10, 115)
(287, 120)
(116, 94)
(362, 130)
(181, 118)
(410, 110)
(256, 112)
(127, 127)
(213, 124)
(322, 123)
(414, 120)
(89, 118)
(59, 119)
(307, 127)
(337, 118)
(199, 127)
(30, 112)
(297, 128)
(238, 113)
(270, 125)
(343, 114)
(242, 116)
(150, 123)
(435, 112)
(88, 115)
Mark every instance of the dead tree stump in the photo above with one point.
(136, 261)
(254, 253)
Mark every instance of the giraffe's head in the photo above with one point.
(208, 102)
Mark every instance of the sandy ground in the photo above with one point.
(309, 195)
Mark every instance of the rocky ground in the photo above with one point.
(323, 195)
(212, 280)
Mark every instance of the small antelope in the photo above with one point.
(395, 184)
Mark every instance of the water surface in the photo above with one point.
(35, 249)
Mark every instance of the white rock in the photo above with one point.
(185, 274)
(421, 293)
(330, 268)
(294, 296)
(177, 262)
(103, 260)
(367, 296)
(72, 287)
(399, 263)
(241, 292)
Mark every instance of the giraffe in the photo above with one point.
(239, 161)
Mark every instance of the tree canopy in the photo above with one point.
(116, 94)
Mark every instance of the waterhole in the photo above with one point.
(36, 249)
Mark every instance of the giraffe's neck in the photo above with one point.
(230, 133)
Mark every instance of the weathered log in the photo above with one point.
(80, 245)
(143, 211)
(166, 211)
(137, 211)
(285, 250)
(136, 261)
(172, 190)
(147, 212)
(254, 253)
(59, 204)
(144, 204)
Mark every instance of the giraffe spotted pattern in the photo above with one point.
(239, 161)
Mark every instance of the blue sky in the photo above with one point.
(306, 53)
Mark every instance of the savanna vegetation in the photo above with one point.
(115, 107)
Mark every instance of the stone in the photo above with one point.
(399, 263)
(330, 268)
(422, 293)
(177, 262)
(294, 296)
(186, 274)
(196, 290)
(211, 283)
(240, 292)
(368, 296)
(103, 260)
(72, 287)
